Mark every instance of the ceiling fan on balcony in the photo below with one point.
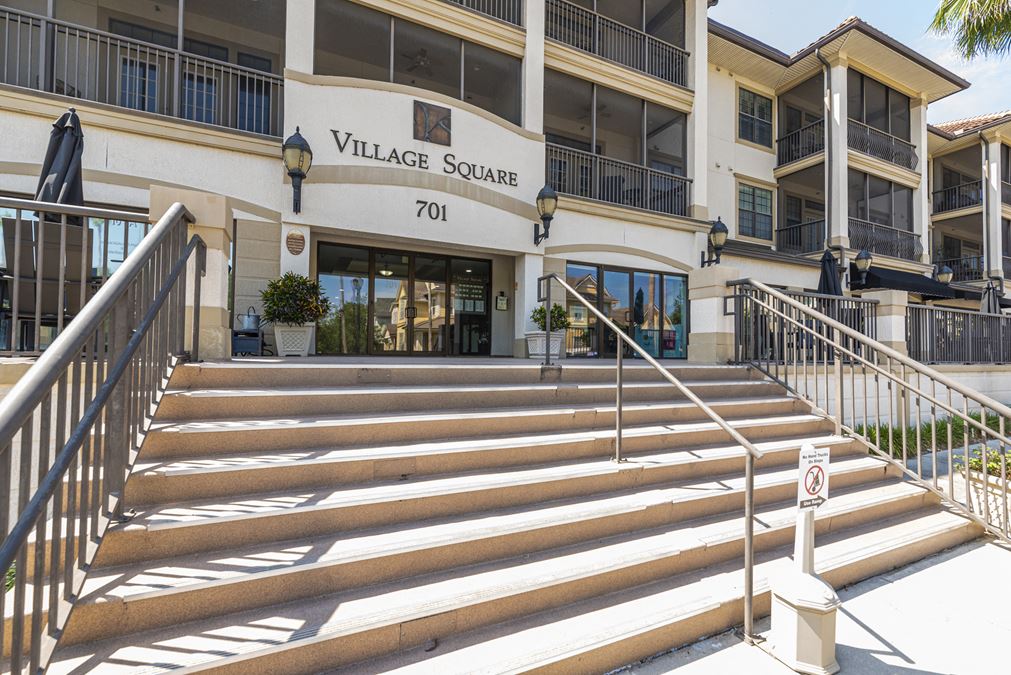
(601, 112)
(420, 62)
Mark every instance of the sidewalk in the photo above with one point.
(950, 613)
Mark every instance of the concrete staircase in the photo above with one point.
(464, 518)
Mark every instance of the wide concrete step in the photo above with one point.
(179, 439)
(223, 403)
(246, 473)
(317, 372)
(604, 633)
(323, 632)
(220, 524)
(171, 591)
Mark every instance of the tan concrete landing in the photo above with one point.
(916, 619)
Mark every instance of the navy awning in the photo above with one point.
(881, 278)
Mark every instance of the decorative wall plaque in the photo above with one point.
(432, 123)
(295, 243)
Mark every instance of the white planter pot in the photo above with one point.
(293, 340)
(535, 344)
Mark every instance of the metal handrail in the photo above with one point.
(752, 453)
(71, 210)
(901, 373)
(115, 370)
(800, 143)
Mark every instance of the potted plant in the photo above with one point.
(294, 304)
(535, 339)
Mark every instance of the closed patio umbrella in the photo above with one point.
(61, 181)
(828, 282)
(990, 302)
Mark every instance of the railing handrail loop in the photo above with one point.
(608, 20)
(22, 399)
(883, 133)
(71, 210)
(800, 130)
(638, 167)
(971, 183)
(664, 372)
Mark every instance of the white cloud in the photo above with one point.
(988, 93)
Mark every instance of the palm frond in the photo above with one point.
(979, 27)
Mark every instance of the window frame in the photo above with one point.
(889, 92)
(753, 186)
(892, 185)
(753, 142)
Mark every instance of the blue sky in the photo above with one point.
(789, 25)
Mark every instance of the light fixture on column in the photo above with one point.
(547, 202)
(943, 274)
(718, 234)
(297, 156)
(863, 262)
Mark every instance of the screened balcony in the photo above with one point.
(510, 11)
(204, 76)
(644, 35)
(879, 121)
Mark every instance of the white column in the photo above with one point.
(533, 67)
(838, 184)
(697, 44)
(290, 243)
(300, 35)
(712, 331)
(992, 236)
(529, 267)
(921, 195)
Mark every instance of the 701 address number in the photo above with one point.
(431, 210)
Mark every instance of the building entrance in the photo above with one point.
(402, 302)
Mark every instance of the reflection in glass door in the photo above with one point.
(470, 323)
(616, 306)
(428, 313)
(675, 317)
(581, 337)
(390, 303)
(344, 276)
(646, 311)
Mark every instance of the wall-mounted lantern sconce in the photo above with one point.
(297, 156)
(718, 234)
(547, 202)
(863, 262)
(943, 274)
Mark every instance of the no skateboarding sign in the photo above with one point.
(812, 484)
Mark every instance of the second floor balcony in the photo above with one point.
(58, 57)
(882, 145)
(884, 240)
(966, 268)
(801, 238)
(964, 196)
(510, 11)
(595, 33)
(804, 142)
(584, 174)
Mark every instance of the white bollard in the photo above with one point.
(803, 606)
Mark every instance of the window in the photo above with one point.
(879, 201)
(754, 212)
(877, 106)
(794, 210)
(254, 96)
(754, 118)
(199, 98)
(139, 85)
(1005, 164)
(354, 41)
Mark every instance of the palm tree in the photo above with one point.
(980, 27)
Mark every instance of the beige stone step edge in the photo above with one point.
(229, 403)
(377, 371)
(615, 636)
(326, 649)
(117, 616)
(394, 503)
(222, 475)
(260, 435)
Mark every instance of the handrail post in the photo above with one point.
(837, 372)
(619, 385)
(749, 553)
(547, 322)
(199, 269)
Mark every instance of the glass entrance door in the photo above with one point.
(617, 307)
(427, 313)
(391, 284)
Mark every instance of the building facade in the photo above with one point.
(435, 123)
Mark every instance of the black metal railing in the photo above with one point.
(968, 268)
(70, 428)
(596, 34)
(584, 174)
(801, 143)
(803, 238)
(510, 11)
(882, 145)
(944, 335)
(958, 197)
(64, 58)
(1005, 192)
(53, 263)
(884, 240)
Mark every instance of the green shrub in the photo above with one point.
(559, 319)
(294, 300)
(9, 579)
(976, 462)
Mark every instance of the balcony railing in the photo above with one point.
(969, 268)
(876, 143)
(1006, 264)
(801, 143)
(596, 34)
(510, 11)
(884, 240)
(1005, 192)
(96, 66)
(583, 174)
(942, 335)
(802, 238)
(959, 197)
